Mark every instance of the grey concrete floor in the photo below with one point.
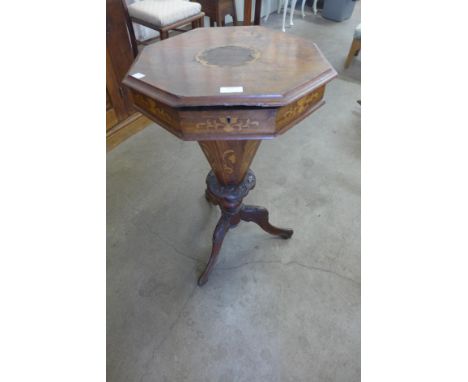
(273, 309)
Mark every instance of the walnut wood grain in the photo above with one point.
(164, 115)
(283, 79)
(288, 68)
(228, 123)
(230, 159)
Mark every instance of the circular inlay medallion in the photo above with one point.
(229, 55)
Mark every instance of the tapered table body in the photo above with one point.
(228, 89)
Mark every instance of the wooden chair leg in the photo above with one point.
(201, 22)
(353, 50)
(257, 12)
(219, 20)
(234, 13)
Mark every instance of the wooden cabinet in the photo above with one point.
(122, 120)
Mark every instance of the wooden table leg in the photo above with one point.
(229, 198)
(220, 231)
(259, 215)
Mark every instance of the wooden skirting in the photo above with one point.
(125, 129)
(111, 119)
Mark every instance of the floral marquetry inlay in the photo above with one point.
(227, 124)
(292, 112)
(160, 111)
(230, 160)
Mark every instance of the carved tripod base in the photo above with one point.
(229, 199)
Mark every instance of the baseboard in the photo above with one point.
(125, 129)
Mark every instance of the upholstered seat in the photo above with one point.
(165, 15)
(163, 12)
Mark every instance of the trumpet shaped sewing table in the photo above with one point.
(228, 89)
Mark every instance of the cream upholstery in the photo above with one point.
(163, 12)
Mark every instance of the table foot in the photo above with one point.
(259, 215)
(224, 223)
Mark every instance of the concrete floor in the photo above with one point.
(273, 309)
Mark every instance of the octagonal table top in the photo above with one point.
(230, 66)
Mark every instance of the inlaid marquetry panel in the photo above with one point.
(230, 160)
(214, 124)
(159, 112)
(221, 123)
(289, 114)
